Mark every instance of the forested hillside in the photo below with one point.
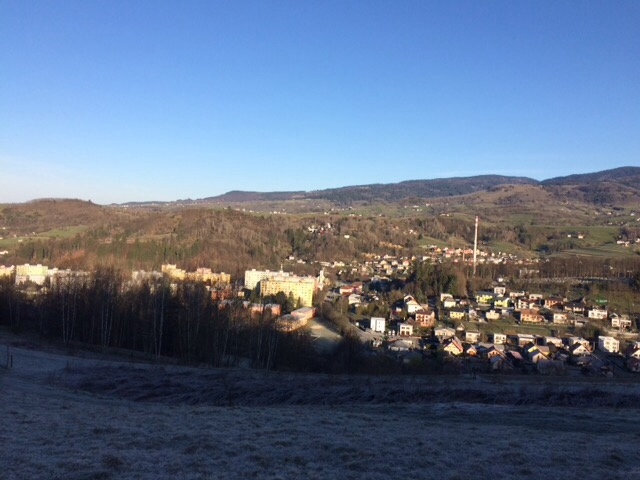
(586, 215)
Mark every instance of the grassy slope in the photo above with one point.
(138, 421)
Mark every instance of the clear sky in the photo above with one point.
(117, 101)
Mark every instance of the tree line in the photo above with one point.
(157, 319)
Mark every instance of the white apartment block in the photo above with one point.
(608, 344)
(31, 273)
(378, 324)
(598, 314)
(253, 277)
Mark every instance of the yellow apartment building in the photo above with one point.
(301, 288)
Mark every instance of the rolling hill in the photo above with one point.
(233, 231)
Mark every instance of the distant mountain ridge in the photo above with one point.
(629, 176)
(598, 187)
(439, 187)
(242, 196)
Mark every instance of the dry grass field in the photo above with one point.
(90, 417)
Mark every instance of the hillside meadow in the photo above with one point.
(88, 416)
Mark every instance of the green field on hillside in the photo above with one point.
(426, 242)
(64, 232)
(611, 250)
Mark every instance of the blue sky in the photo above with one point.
(117, 101)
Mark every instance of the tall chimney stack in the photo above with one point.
(475, 248)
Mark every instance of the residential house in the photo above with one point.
(632, 351)
(454, 346)
(492, 315)
(471, 351)
(492, 350)
(499, 338)
(426, 318)
(405, 328)
(535, 354)
(608, 344)
(355, 299)
(553, 303)
(580, 321)
(472, 337)
(411, 304)
(502, 302)
(524, 338)
(500, 290)
(580, 340)
(485, 298)
(457, 313)
(560, 317)
(574, 307)
(530, 316)
(449, 302)
(472, 313)
(444, 332)
(444, 296)
(621, 322)
(578, 350)
(528, 304)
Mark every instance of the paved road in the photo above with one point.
(325, 339)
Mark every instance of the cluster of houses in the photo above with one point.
(531, 308)
(413, 329)
(493, 306)
(545, 354)
(387, 265)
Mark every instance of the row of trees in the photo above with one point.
(157, 319)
